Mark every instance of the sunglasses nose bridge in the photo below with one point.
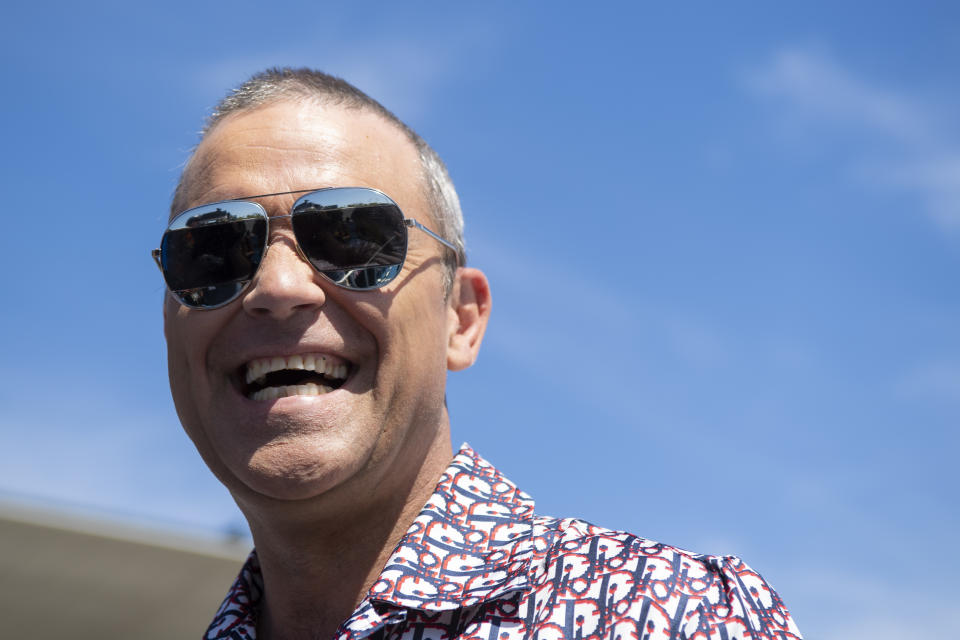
(287, 239)
(285, 281)
(279, 223)
(280, 228)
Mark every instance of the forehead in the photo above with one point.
(288, 146)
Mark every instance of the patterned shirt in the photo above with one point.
(478, 564)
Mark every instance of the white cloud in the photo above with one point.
(938, 180)
(934, 380)
(916, 157)
(816, 85)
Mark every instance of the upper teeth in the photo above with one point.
(324, 365)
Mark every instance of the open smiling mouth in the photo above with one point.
(300, 375)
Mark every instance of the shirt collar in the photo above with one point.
(472, 542)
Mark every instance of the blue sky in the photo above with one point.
(723, 241)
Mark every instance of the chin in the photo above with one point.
(282, 472)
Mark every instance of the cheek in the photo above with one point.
(421, 334)
(188, 334)
(410, 334)
(178, 367)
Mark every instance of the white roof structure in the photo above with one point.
(65, 575)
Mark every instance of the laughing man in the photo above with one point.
(317, 295)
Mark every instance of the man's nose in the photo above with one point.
(284, 284)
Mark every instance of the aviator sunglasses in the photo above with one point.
(353, 236)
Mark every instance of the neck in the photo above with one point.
(318, 561)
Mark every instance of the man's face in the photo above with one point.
(392, 342)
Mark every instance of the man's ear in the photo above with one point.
(467, 314)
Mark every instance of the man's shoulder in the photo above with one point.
(572, 560)
(609, 548)
(625, 578)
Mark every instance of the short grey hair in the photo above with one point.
(279, 84)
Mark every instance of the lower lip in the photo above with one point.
(295, 395)
(293, 398)
(256, 414)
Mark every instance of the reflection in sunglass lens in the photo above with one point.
(359, 247)
(208, 265)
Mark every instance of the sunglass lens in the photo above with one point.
(209, 257)
(358, 245)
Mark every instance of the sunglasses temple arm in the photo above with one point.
(156, 258)
(410, 222)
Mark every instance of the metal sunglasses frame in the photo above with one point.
(407, 222)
